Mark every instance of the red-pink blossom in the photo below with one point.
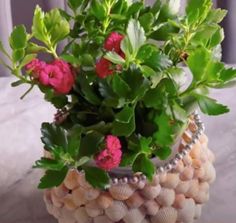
(35, 67)
(113, 42)
(110, 157)
(103, 68)
(57, 74)
(113, 143)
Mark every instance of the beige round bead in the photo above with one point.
(182, 187)
(116, 211)
(78, 196)
(134, 216)
(135, 201)
(121, 192)
(93, 210)
(104, 200)
(71, 180)
(187, 174)
(69, 203)
(151, 192)
(165, 215)
(81, 216)
(172, 180)
(179, 201)
(151, 207)
(166, 197)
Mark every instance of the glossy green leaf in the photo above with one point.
(114, 58)
(49, 164)
(74, 4)
(125, 115)
(122, 127)
(98, 9)
(52, 178)
(120, 87)
(136, 35)
(74, 138)
(210, 106)
(39, 29)
(198, 61)
(163, 153)
(89, 145)
(144, 164)
(88, 90)
(52, 135)
(146, 21)
(96, 177)
(164, 135)
(18, 38)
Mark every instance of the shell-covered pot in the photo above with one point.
(176, 194)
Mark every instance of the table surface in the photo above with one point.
(20, 146)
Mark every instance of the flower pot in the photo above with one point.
(176, 193)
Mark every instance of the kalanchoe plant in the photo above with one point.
(120, 80)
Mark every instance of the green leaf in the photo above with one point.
(125, 115)
(126, 47)
(52, 135)
(144, 164)
(164, 135)
(74, 138)
(124, 125)
(87, 90)
(96, 177)
(18, 38)
(227, 74)
(74, 4)
(52, 178)
(145, 52)
(128, 159)
(120, 87)
(17, 83)
(70, 58)
(216, 38)
(134, 8)
(179, 113)
(83, 160)
(197, 11)
(57, 26)
(114, 58)
(27, 59)
(98, 10)
(39, 30)
(145, 144)
(136, 35)
(147, 71)
(18, 55)
(163, 153)
(49, 164)
(216, 15)
(197, 62)
(210, 106)
(89, 145)
(146, 21)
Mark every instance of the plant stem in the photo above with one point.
(27, 92)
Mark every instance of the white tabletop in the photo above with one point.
(20, 146)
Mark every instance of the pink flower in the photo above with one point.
(35, 67)
(113, 143)
(57, 75)
(110, 157)
(103, 68)
(113, 42)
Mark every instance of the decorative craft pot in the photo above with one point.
(176, 194)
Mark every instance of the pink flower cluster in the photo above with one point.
(110, 157)
(112, 43)
(57, 74)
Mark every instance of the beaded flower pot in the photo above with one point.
(176, 193)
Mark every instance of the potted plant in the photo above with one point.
(126, 144)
